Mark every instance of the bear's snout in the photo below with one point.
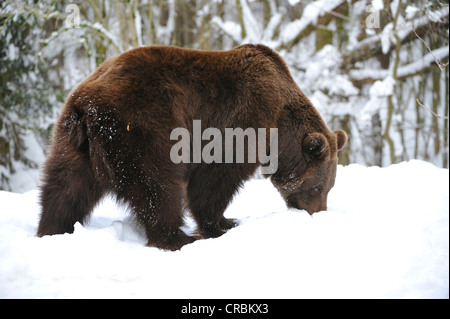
(317, 205)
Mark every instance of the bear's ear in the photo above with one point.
(314, 145)
(341, 139)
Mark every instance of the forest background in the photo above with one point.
(377, 69)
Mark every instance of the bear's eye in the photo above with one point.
(315, 191)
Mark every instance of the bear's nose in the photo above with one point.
(319, 206)
(311, 210)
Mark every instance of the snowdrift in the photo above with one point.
(385, 235)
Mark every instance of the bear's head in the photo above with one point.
(306, 184)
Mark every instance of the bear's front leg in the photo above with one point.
(158, 208)
(213, 229)
(168, 240)
(162, 221)
(210, 189)
(228, 223)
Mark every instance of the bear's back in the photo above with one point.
(243, 87)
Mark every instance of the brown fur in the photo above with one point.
(114, 136)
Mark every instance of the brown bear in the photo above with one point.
(114, 136)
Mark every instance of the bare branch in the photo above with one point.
(441, 65)
(431, 111)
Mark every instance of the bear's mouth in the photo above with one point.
(293, 201)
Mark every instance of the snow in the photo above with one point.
(311, 14)
(294, 2)
(387, 37)
(321, 73)
(411, 68)
(232, 29)
(385, 235)
(101, 29)
(377, 5)
(411, 12)
(404, 28)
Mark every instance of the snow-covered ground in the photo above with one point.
(385, 235)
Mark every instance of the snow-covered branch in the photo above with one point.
(299, 28)
(95, 27)
(371, 75)
(250, 29)
(230, 28)
(382, 42)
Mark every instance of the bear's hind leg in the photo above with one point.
(69, 191)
